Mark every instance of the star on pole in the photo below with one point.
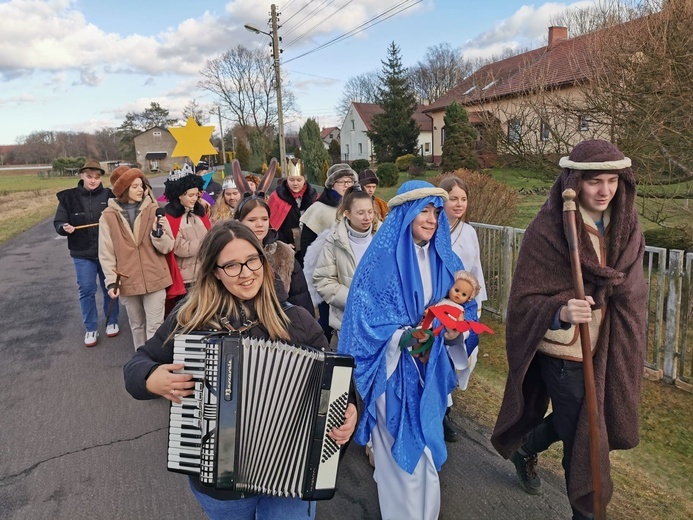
(193, 140)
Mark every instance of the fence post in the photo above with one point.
(672, 315)
(506, 275)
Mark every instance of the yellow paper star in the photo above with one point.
(193, 140)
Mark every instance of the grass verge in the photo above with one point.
(24, 210)
(650, 481)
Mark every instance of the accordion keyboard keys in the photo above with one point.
(287, 400)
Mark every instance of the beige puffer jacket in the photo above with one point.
(334, 272)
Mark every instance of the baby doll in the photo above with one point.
(450, 313)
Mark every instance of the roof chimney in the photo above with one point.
(557, 34)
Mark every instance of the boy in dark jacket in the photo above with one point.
(77, 218)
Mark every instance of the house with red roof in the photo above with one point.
(6, 149)
(511, 96)
(329, 134)
(354, 141)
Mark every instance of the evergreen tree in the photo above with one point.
(394, 131)
(335, 151)
(258, 147)
(459, 148)
(242, 154)
(313, 152)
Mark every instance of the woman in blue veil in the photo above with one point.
(408, 267)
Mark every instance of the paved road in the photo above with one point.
(75, 445)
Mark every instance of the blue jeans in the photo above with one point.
(259, 507)
(87, 272)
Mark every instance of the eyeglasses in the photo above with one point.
(233, 269)
(345, 182)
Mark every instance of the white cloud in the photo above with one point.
(55, 36)
(527, 27)
(21, 99)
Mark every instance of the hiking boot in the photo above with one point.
(112, 330)
(526, 469)
(449, 432)
(90, 338)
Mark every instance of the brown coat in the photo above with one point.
(134, 252)
(380, 208)
(542, 283)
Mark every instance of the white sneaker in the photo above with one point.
(90, 338)
(112, 330)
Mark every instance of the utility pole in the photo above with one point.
(221, 131)
(280, 115)
(276, 51)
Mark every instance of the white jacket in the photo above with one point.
(334, 272)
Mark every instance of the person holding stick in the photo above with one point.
(77, 218)
(546, 312)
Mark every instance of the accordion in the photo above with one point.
(259, 416)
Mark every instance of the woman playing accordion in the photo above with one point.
(234, 290)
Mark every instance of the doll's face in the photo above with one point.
(461, 292)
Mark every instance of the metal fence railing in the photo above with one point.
(669, 275)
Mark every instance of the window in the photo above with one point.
(427, 147)
(469, 90)
(584, 123)
(442, 136)
(360, 148)
(353, 126)
(545, 131)
(514, 130)
(489, 85)
(347, 149)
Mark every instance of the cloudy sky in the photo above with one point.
(82, 65)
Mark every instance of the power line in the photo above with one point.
(360, 28)
(314, 75)
(307, 17)
(287, 5)
(301, 9)
(296, 40)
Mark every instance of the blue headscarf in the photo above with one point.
(386, 294)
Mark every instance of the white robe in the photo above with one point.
(465, 244)
(403, 496)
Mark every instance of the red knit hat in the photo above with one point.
(120, 182)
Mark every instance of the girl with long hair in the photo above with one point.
(343, 249)
(235, 285)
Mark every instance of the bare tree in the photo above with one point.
(199, 113)
(243, 80)
(107, 144)
(603, 14)
(441, 69)
(361, 89)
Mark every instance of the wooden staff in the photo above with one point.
(87, 225)
(569, 209)
(116, 286)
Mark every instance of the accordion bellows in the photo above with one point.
(259, 418)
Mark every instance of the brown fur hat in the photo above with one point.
(122, 182)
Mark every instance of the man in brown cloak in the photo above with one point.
(543, 347)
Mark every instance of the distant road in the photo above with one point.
(30, 167)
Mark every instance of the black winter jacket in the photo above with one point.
(158, 351)
(79, 206)
(292, 218)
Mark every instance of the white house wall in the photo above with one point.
(353, 134)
